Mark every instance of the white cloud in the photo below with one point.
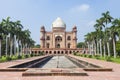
(91, 23)
(81, 8)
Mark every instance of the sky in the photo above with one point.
(35, 13)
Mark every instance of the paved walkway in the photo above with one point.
(115, 75)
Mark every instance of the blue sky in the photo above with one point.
(35, 13)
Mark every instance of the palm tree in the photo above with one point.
(98, 27)
(116, 24)
(3, 32)
(94, 41)
(108, 36)
(106, 20)
(114, 32)
(14, 33)
(1, 37)
(30, 43)
(88, 41)
(21, 37)
(11, 30)
(7, 24)
(91, 40)
(18, 30)
(24, 40)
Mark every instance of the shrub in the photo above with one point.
(9, 58)
(81, 55)
(84, 55)
(75, 53)
(27, 56)
(23, 56)
(31, 54)
(3, 59)
(89, 56)
(19, 57)
(97, 56)
(14, 57)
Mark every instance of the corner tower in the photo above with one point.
(42, 36)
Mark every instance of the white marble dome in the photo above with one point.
(58, 23)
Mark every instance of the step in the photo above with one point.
(54, 72)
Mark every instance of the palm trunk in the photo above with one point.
(21, 52)
(95, 50)
(114, 48)
(20, 48)
(104, 42)
(108, 47)
(97, 47)
(100, 47)
(104, 50)
(11, 47)
(92, 48)
(23, 49)
(88, 49)
(6, 46)
(18, 51)
(14, 44)
(26, 49)
(0, 47)
(85, 50)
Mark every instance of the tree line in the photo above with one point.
(105, 40)
(13, 39)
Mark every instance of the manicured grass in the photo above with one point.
(117, 60)
(14, 57)
(98, 57)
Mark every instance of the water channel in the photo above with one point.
(59, 62)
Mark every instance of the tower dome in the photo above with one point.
(58, 23)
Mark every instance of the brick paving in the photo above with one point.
(115, 75)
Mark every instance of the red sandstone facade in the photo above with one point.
(56, 50)
(58, 41)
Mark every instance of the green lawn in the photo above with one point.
(98, 57)
(14, 57)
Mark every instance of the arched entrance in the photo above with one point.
(58, 40)
(68, 45)
(48, 45)
(58, 46)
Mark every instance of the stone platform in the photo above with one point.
(54, 72)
